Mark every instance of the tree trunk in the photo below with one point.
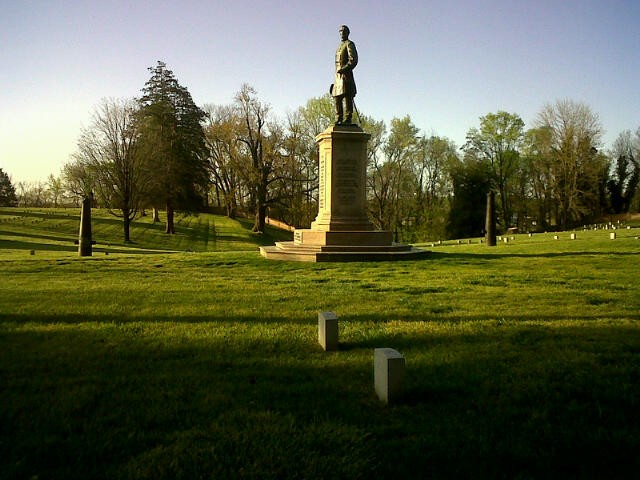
(155, 215)
(171, 229)
(126, 223)
(261, 214)
(490, 223)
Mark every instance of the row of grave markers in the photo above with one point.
(388, 364)
(505, 239)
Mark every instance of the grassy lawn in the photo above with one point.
(192, 357)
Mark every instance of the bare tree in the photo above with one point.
(259, 140)
(108, 148)
(577, 169)
(224, 155)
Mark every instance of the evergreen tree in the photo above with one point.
(173, 144)
(7, 191)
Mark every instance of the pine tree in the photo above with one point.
(7, 191)
(173, 142)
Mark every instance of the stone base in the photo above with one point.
(352, 238)
(355, 246)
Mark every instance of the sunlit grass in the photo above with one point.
(523, 360)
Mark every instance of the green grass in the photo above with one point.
(523, 360)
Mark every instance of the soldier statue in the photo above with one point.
(344, 88)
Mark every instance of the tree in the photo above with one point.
(56, 188)
(262, 143)
(173, 144)
(78, 179)
(224, 156)
(537, 160)
(499, 140)
(433, 187)
(7, 191)
(625, 176)
(577, 169)
(108, 148)
(471, 180)
(302, 157)
(391, 179)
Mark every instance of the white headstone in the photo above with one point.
(328, 331)
(612, 235)
(388, 372)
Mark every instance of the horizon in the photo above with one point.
(444, 65)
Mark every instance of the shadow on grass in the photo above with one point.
(65, 238)
(48, 215)
(17, 245)
(128, 401)
(374, 319)
(49, 247)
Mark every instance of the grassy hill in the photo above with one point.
(56, 230)
(523, 360)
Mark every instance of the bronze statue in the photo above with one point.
(344, 88)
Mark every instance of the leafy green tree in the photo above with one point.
(537, 162)
(392, 181)
(7, 191)
(173, 143)
(471, 180)
(55, 186)
(433, 185)
(498, 140)
(623, 183)
(78, 179)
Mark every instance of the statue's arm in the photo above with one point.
(352, 58)
(352, 54)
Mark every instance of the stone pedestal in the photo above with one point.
(342, 230)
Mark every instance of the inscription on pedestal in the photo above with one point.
(347, 181)
(321, 182)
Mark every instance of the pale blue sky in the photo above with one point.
(444, 63)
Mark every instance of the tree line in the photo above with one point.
(163, 152)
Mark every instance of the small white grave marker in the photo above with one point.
(388, 372)
(573, 236)
(328, 330)
(555, 237)
(612, 235)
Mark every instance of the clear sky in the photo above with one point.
(445, 63)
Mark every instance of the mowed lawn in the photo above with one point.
(192, 357)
